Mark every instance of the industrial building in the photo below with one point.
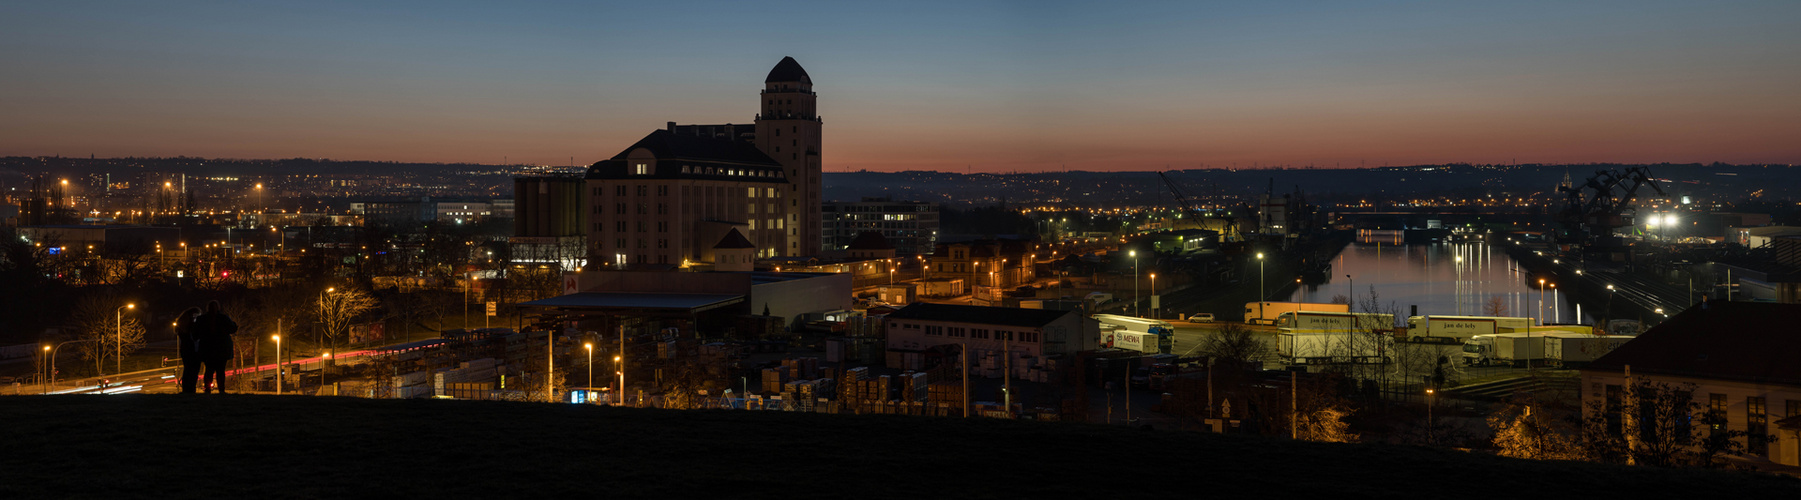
(910, 227)
(1735, 359)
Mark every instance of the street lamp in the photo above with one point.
(1154, 295)
(1431, 397)
(619, 366)
(1541, 301)
(44, 369)
(1609, 303)
(1134, 255)
(590, 347)
(1556, 314)
(277, 363)
(119, 334)
(1260, 294)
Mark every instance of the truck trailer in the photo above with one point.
(1310, 337)
(1572, 350)
(1143, 335)
(1265, 313)
(1463, 327)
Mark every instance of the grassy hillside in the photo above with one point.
(274, 447)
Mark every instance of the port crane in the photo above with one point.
(1231, 225)
(1596, 208)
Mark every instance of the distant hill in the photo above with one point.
(283, 447)
(1112, 189)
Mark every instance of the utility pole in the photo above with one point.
(1294, 411)
(965, 356)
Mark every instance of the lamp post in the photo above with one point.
(1609, 304)
(1154, 296)
(119, 335)
(1541, 301)
(44, 369)
(66, 342)
(619, 366)
(277, 338)
(1431, 397)
(324, 307)
(1556, 314)
(590, 347)
(1260, 294)
(1134, 255)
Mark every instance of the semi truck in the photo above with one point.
(1265, 313)
(1143, 335)
(1516, 348)
(1572, 350)
(1311, 337)
(1463, 327)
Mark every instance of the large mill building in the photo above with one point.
(680, 192)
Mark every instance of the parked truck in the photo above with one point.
(1265, 313)
(1517, 348)
(1311, 337)
(1143, 335)
(1463, 327)
(1572, 350)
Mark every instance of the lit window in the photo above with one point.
(643, 168)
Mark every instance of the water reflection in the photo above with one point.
(1467, 278)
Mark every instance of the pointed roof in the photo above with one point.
(733, 239)
(788, 70)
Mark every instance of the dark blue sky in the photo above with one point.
(915, 85)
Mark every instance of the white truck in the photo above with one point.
(1143, 335)
(1572, 350)
(1463, 327)
(1311, 337)
(1518, 347)
(1265, 313)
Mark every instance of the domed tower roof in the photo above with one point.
(788, 70)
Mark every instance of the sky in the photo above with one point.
(955, 86)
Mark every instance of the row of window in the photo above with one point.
(1757, 417)
(974, 333)
(644, 190)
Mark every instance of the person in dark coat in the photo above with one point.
(215, 330)
(187, 342)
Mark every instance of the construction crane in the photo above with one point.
(1596, 208)
(1230, 225)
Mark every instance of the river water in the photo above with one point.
(1465, 278)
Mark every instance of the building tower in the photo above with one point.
(788, 130)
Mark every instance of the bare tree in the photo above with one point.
(1526, 427)
(1234, 342)
(337, 308)
(96, 317)
(1496, 306)
(1652, 423)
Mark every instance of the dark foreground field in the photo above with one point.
(274, 447)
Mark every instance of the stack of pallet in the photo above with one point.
(773, 378)
(945, 393)
(478, 371)
(914, 387)
(801, 368)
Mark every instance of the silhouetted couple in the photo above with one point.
(205, 343)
